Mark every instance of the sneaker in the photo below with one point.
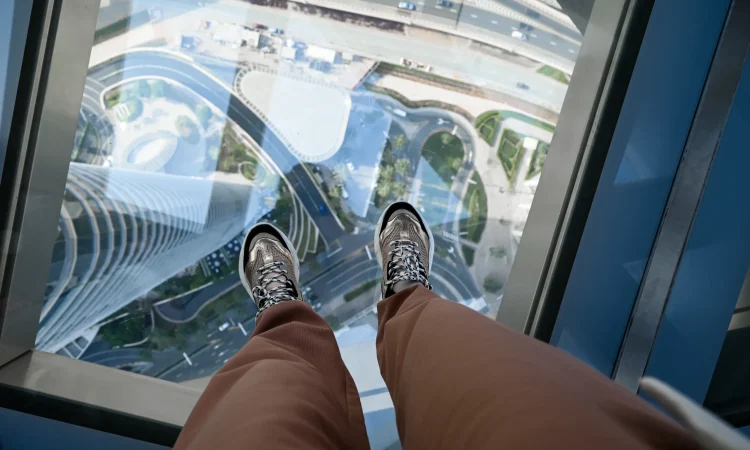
(404, 247)
(269, 267)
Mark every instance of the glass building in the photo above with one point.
(580, 164)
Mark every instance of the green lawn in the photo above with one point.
(537, 160)
(475, 203)
(487, 125)
(510, 152)
(445, 153)
(555, 74)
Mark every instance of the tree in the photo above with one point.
(492, 284)
(144, 89)
(447, 138)
(204, 114)
(402, 167)
(399, 142)
(334, 192)
(386, 175)
(399, 189)
(214, 152)
(384, 190)
(339, 173)
(158, 88)
(126, 331)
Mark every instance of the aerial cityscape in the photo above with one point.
(201, 118)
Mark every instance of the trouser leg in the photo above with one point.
(287, 388)
(461, 380)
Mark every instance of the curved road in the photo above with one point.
(159, 65)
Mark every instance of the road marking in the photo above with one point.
(514, 28)
(438, 7)
(187, 358)
(243, 330)
(369, 256)
(473, 16)
(335, 251)
(494, 22)
(454, 10)
(571, 50)
(533, 35)
(553, 42)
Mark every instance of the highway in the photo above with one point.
(464, 14)
(503, 25)
(453, 58)
(159, 65)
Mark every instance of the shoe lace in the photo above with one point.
(274, 275)
(405, 264)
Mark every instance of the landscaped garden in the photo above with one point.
(554, 74)
(445, 153)
(395, 169)
(510, 152)
(537, 160)
(475, 204)
(487, 125)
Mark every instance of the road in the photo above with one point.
(452, 57)
(464, 14)
(503, 25)
(159, 65)
(188, 306)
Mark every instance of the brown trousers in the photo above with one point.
(458, 380)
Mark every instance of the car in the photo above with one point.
(518, 35)
(521, 85)
(444, 3)
(224, 326)
(322, 208)
(525, 26)
(407, 6)
(276, 30)
(531, 13)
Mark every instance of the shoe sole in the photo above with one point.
(379, 228)
(245, 242)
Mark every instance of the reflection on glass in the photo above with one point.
(201, 118)
(729, 392)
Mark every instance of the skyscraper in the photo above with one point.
(122, 233)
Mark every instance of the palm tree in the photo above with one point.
(399, 141)
(402, 167)
(386, 175)
(384, 189)
(399, 189)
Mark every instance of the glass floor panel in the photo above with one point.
(200, 119)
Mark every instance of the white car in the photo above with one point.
(407, 6)
(518, 35)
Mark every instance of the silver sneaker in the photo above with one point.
(404, 247)
(269, 267)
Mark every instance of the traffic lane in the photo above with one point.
(430, 7)
(541, 18)
(503, 25)
(136, 64)
(473, 65)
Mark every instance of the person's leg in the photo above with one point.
(461, 380)
(288, 387)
